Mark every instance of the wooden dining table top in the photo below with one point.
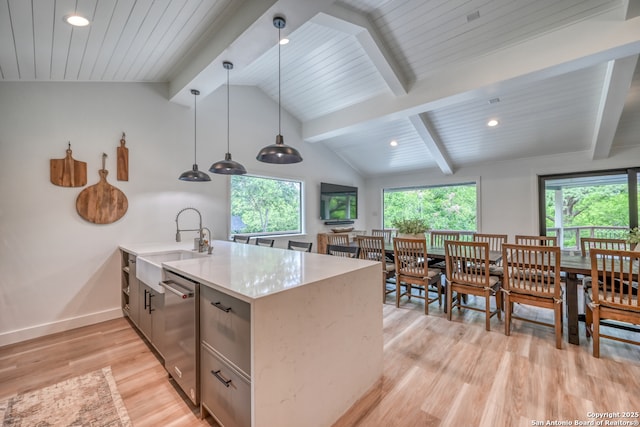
(439, 253)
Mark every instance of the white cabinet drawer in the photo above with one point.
(225, 394)
(225, 324)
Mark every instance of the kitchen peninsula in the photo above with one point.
(315, 330)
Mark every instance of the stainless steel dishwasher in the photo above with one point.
(182, 333)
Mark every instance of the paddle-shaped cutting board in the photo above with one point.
(68, 172)
(102, 203)
(123, 161)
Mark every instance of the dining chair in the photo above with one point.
(413, 272)
(437, 238)
(536, 240)
(495, 241)
(299, 246)
(588, 243)
(261, 241)
(467, 274)
(532, 277)
(340, 239)
(616, 295)
(385, 233)
(241, 239)
(372, 249)
(343, 251)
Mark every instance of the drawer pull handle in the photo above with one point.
(221, 378)
(221, 307)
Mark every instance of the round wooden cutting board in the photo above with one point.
(102, 203)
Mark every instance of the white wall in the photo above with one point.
(58, 271)
(508, 190)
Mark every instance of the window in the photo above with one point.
(591, 204)
(444, 207)
(261, 206)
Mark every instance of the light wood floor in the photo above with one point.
(436, 372)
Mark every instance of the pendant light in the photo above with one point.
(227, 166)
(194, 174)
(279, 152)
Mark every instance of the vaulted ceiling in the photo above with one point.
(559, 76)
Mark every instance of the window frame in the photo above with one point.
(632, 183)
(301, 210)
(475, 182)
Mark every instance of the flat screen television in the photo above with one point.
(338, 202)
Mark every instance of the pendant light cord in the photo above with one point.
(195, 129)
(279, 108)
(228, 111)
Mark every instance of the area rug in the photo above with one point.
(87, 400)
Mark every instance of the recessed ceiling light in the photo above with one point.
(284, 41)
(393, 143)
(492, 123)
(76, 20)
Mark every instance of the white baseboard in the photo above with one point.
(38, 331)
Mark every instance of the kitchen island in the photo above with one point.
(314, 327)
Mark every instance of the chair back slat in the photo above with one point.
(371, 248)
(241, 239)
(339, 239)
(299, 246)
(466, 262)
(536, 240)
(532, 269)
(615, 270)
(385, 233)
(588, 243)
(437, 238)
(410, 256)
(343, 251)
(495, 241)
(260, 241)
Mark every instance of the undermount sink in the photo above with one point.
(149, 267)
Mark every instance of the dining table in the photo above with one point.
(571, 264)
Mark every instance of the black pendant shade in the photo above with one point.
(194, 175)
(227, 166)
(279, 153)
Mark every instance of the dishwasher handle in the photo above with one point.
(180, 291)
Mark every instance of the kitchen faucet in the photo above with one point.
(199, 229)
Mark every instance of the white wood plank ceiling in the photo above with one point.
(560, 76)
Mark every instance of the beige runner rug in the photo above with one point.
(87, 400)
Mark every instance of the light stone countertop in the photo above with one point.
(249, 272)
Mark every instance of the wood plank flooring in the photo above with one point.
(436, 372)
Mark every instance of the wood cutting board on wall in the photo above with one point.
(68, 172)
(102, 203)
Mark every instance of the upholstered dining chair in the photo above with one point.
(299, 246)
(536, 240)
(413, 272)
(343, 251)
(372, 249)
(532, 277)
(466, 274)
(261, 241)
(241, 239)
(616, 295)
